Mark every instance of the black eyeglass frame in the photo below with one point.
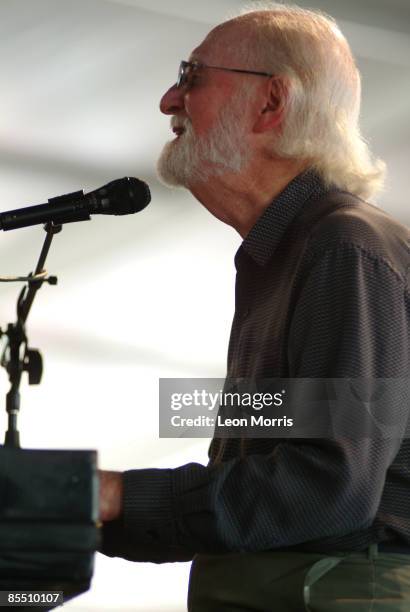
(183, 75)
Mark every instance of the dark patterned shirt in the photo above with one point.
(321, 291)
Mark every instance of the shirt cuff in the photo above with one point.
(148, 506)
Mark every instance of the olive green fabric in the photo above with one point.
(300, 582)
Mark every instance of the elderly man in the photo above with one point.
(265, 114)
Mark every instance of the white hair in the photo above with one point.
(307, 49)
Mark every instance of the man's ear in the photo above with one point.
(272, 113)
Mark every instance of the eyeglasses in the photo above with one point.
(187, 71)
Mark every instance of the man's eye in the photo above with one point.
(193, 78)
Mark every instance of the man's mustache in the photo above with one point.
(180, 122)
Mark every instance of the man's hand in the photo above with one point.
(110, 495)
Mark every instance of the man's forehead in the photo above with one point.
(218, 45)
(206, 50)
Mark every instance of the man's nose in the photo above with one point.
(172, 101)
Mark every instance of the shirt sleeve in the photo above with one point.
(349, 320)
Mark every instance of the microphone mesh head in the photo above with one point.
(138, 193)
(122, 196)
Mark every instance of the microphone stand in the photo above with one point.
(17, 356)
(48, 531)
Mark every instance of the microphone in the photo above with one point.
(120, 197)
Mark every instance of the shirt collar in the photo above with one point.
(264, 237)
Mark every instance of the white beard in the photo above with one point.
(191, 159)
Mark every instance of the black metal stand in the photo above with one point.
(50, 543)
(17, 356)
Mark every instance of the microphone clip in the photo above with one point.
(81, 214)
